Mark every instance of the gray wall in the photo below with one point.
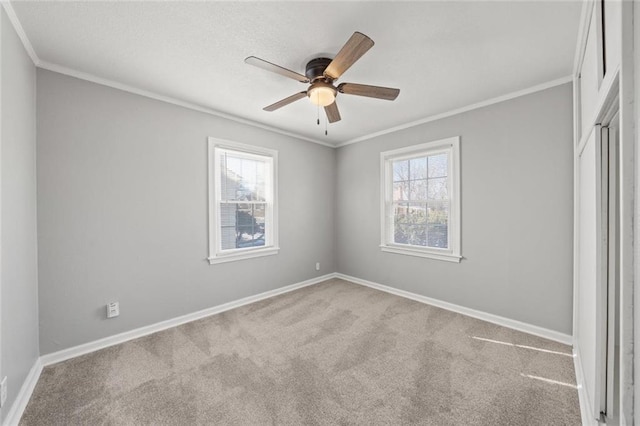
(19, 277)
(122, 212)
(517, 232)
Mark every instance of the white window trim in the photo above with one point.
(215, 254)
(452, 254)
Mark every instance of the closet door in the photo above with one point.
(603, 228)
(591, 306)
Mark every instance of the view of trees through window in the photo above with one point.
(421, 201)
(243, 201)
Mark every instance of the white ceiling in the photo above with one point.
(442, 55)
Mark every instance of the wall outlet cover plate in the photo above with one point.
(113, 309)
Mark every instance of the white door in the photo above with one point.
(592, 296)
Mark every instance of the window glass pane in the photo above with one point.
(418, 168)
(400, 213)
(400, 234)
(422, 225)
(250, 224)
(228, 215)
(410, 213)
(227, 185)
(261, 178)
(401, 191)
(437, 236)
(438, 224)
(438, 189)
(438, 165)
(410, 234)
(241, 178)
(410, 224)
(228, 226)
(248, 173)
(438, 212)
(400, 170)
(242, 225)
(228, 237)
(418, 190)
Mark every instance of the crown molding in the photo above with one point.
(13, 18)
(508, 96)
(168, 99)
(146, 93)
(195, 107)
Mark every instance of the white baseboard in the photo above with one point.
(505, 322)
(18, 407)
(20, 404)
(86, 348)
(583, 397)
(29, 384)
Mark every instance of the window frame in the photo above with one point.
(450, 145)
(216, 254)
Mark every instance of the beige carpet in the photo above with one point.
(332, 353)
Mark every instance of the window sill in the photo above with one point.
(447, 257)
(232, 257)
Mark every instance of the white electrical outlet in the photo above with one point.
(317, 266)
(3, 391)
(113, 309)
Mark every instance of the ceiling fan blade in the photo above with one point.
(371, 91)
(261, 63)
(333, 114)
(353, 49)
(285, 101)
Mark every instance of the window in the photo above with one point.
(421, 200)
(242, 201)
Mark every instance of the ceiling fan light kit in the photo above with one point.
(321, 73)
(321, 93)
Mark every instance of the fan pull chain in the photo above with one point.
(325, 126)
(318, 97)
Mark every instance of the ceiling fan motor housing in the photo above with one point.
(321, 92)
(315, 68)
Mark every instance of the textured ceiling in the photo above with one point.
(442, 55)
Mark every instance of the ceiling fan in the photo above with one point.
(321, 74)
